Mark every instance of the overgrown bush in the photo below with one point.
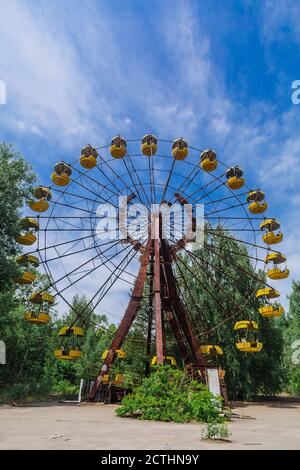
(19, 391)
(168, 395)
(31, 390)
(64, 389)
(216, 431)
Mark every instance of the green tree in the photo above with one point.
(16, 180)
(291, 327)
(98, 334)
(218, 281)
(26, 345)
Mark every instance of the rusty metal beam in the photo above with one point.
(180, 310)
(150, 317)
(127, 320)
(174, 325)
(179, 338)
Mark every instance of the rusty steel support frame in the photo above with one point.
(170, 306)
(174, 325)
(179, 338)
(150, 316)
(127, 320)
(180, 311)
(158, 304)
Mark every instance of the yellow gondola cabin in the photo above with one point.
(270, 307)
(119, 353)
(149, 145)
(70, 338)
(235, 178)
(257, 203)
(247, 332)
(88, 157)
(168, 359)
(276, 272)
(272, 234)
(211, 349)
(61, 174)
(42, 195)
(180, 149)
(208, 160)
(118, 147)
(29, 228)
(37, 318)
(25, 262)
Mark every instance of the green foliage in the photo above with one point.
(216, 431)
(16, 180)
(97, 337)
(65, 390)
(291, 328)
(26, 346)
(167, 395)
(18, 391)
(217, 296)
(31, 368)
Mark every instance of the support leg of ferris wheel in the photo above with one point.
(157, 304)
(150, 316)
(179, 321)
(127, 320)
(180, 312)
(179, 338)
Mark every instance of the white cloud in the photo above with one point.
(46, 92)
(281, 20)
(72, 82)
(52, 88)
(221, 126)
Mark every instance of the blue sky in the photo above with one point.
(218, 73)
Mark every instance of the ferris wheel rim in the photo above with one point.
(214, 179)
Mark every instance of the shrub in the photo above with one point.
(168, 395)
(19, 391)
(216, 431)
(30, 390)
(65, 389)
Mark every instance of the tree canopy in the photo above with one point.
(217, 295)
(291, 328)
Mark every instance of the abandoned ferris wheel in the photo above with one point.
(82, 246)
